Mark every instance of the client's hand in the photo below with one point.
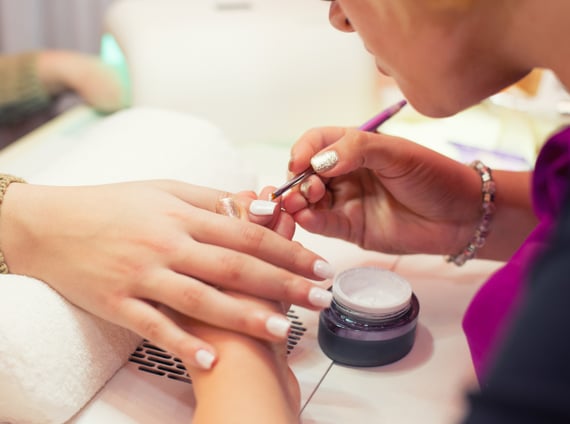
(120, 250)
(251, 382)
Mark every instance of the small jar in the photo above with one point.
(372, 318)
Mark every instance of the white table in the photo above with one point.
(426, 386)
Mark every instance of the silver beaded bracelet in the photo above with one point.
(488, 207)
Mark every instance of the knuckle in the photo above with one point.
(167, 245)
(241, 322)
(113, 304)
(295, 255)
(139, 269)
(181, 346)
(354, 135)
(129, 269)
(253, 236)
(292, 288)
(150, 328)
(114, 298)
(159, 243)
(192, 297)
(298, 259)
(152, 282)
(312, 134)
(232, 266)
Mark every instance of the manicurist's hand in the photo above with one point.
(120, 250)
(392, 195)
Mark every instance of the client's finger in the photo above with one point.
(233, 270)
(205, 303)
(148, 322)
(282, 223)
(310, 143)
(251, 240)
(247, 206)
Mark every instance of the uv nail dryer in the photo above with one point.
(261, 70)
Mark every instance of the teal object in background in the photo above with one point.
(112, 54)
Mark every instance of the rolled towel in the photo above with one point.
(54, 356)
(139, 143)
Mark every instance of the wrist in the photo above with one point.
(514, 219)
(258, 363)
(6, 181)
(486, 211)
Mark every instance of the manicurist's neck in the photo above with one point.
(542, 35)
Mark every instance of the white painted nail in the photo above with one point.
(323, 269)
(320, 298)
(324, 161)
(278, 326)
(262, 207)
(205, 359)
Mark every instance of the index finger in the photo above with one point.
(311, 143)
(202, 197)
(355, 149)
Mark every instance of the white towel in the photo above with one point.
(134, 144)
(54, 356)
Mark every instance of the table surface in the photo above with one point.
(426, 386)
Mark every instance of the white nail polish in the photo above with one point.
(323, 269)
(320, 298)
(324, 161)
(205, 359)
(262, 207)
(278, 326)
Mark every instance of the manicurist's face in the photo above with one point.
(443, 59)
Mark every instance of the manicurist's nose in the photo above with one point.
(338, 19)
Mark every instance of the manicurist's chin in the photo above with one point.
(440, 104)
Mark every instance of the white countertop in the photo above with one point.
(426, 386)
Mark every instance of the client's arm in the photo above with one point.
(96, 82)
(31, 79)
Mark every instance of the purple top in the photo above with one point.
(488, 313)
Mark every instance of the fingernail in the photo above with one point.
(305, 186)
(205, 359)
(278, 326)
(324, 161)
(320, 297)
(262, 207)
(227, 206)
(323, 269)
(291, 160)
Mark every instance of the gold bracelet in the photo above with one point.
(488, 207)
(5, 181)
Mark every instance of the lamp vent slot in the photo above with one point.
(154, 360)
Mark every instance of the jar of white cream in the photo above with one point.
(372, 318)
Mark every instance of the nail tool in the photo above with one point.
(370, 126)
